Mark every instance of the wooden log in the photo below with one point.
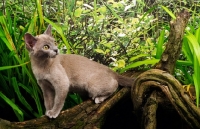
(87, 115)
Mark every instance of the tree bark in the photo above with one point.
(156, 86)
(87, 115)
(174, 44)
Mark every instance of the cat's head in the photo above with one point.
(41, 46)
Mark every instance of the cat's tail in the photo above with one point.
(125, 81)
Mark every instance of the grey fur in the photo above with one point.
(57, 74)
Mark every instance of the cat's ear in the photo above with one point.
(48, 30)
(30, 41)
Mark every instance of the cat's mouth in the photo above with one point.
(54, 53)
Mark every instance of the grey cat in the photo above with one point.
(57, 74)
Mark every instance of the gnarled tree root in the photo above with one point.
(153, 87)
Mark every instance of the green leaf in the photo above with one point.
(113, 12)
(121, 63)
(137, 57)
(186, 50)
(169, 12)
(13, 105)
(139, 63)
(19, 95)
(40, 12)
(196, 81)
(102, 10)
(5, 35)
(159, 48)
(194, 46)
(77, 12)
(148, 12)
(197, 35)
(14, 66)
(99, 51)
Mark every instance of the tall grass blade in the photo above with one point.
(186, 50)
(113, 12)
(7, 37)
(139, 63)
(7, 32)
(13, 66)
(146, 13)
(160, 43)
(39, 10)
(194, 45)
(14, 106)
(19, 95)
(195, 50)
(196, 77)
(137, 57)
(169, 12)
(197, 35)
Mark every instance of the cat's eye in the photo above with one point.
(45, 47)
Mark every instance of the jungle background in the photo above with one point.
(124, 35)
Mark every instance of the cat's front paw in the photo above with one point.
(52, 114)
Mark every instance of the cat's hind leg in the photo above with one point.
(103, 89)
(100, 99)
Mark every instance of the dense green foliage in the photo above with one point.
(121, 34)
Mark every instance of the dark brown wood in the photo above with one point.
(87, 115)
(149, 112)
(154, 87)
(174, 44)
(156, 80)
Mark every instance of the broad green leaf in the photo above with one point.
(186, 50)
(159, 48)
(99, 51)
(194, 46)
(78, 12)
(137, 57)
(196, 79)
(197, 35)
(108, 45)
(121, 63)
(102, 10)
(139, 63)
(183, 62)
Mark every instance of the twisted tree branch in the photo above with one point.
(155, 83)
(158, 80)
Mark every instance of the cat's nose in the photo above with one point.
(55, 50)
